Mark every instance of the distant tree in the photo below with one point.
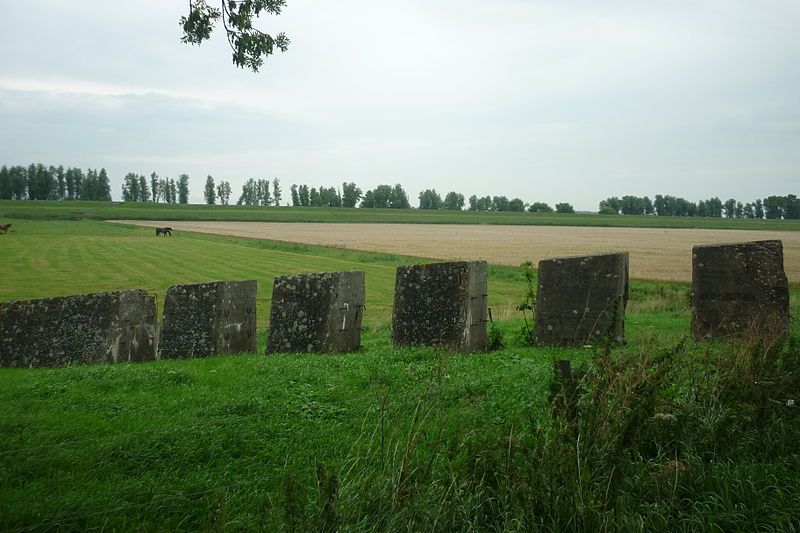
(41, 183)
(758, 209)
(248, 196)
(171, 190)
(516, 205)
(481, 204)
(330, 197)
(295, 197)
(156, 188)
(89, 182)
(398, 198)
(69, 178)
(430, 199)
(662, 206)
(183, 189)
(714, 207)
(564, 208)
(255, 193)
(351, 194)
(224, 192)
(303, 195)
(378, 197)
(62, 185)
(91, 185)
(52, 193)
(210, 192)
(729, 208)
(262, 192)
(5, 183)
(672, 206)
(31, 183)
(749, 212)
(649, 209)
(368, 201)
(130, 188)
(632, 205)
(314, 199)
(540, 207)
(164, 189)
(499, 203)
(386, 196)
(276, 192)
(79, 178)
(609, 206)
(774, 207)
(453, 201)
(144, 190)
(792, 209)
(685, 208)
(17, 178)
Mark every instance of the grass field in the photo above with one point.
(148, 211)
(655, 253)
(55, 258)
(671, 434)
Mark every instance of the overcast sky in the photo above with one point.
(569, 100)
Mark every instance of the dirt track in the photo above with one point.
(664, 254)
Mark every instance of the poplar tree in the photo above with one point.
(210, 192)
(183, 189)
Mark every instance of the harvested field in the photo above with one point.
(659, 254)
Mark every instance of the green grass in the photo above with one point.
(56, 258)
(383, 439)
(150, 434)
(147, 211)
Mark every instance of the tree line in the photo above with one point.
(135, 188)
(255, 192)
(771, 207)
(382, 196)
(395, 197)
(265, 193)
(39, 182)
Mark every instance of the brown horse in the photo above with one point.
(4, 228)
(165, 231)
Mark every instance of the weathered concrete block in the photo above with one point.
(106, 327)
(214, 318)
(441, 304)
(316, 313)
(739, 288)
(581, 299)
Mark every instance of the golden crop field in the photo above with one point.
(659, 254)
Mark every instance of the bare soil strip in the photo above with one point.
(659, 254)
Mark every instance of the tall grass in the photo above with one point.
(651, 439)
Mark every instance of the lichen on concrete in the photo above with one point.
(441, 304)
(581, 300)
(214, 318)
(107, 327)
(316, 313)
(739, 289)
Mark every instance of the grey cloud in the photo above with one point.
(572, 100)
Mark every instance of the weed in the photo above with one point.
(494, 339)
(527, 335)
